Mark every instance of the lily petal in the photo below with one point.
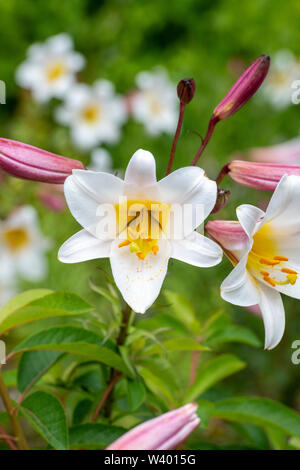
(139, 280)
(86, 190)
(273, 315)
(197, 250)
(283, 209)
(230, 235)
(249, 216)
(82, 247)
(239, 287)
(141, 169)
(190, 185)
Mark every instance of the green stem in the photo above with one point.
(18, 432)
(106, 400)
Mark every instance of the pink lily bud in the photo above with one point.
(31, 163)
(286, 153)
(244, 88)
(230, 236)
(264, 176)
(162, 433)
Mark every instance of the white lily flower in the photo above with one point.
(139, 262)
(285, 69)
(101, 161)
(264, 248)
(50, 68)
(22, 247)
(155, 103)
(94, 113)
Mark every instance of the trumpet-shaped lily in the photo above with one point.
(162, 433)
(257, 175)
(264, 248)
(143, 213)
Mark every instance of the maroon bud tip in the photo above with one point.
(186, 90)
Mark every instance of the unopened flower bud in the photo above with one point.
(162, 433)
(244, 88)
(186, 90)
(222, 200)
(263, 176)
(31, 163)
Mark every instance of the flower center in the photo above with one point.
(55, 71)
(91, 113)
(266, 264)
(16, 238)
(141, 224)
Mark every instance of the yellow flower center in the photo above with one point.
(55, 71)
(16, 238)
(91, 113)
(266, 264)
(141, 223)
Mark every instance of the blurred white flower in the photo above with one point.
(23, 247)
(101, 161)
(155, 103)
(94, 113)
(7, 291)
(50, 68)
(284, 70)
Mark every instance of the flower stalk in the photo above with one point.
(243, 89)
(185, 92)
(18, 432)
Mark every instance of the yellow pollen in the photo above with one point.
(155, 249)
(91, 113)
(268, 261)
(124, 243)
(288, 271)
(264, 273)
(292, 278)
(16, 238)
(144, 223)
(270, 281)
(55, 71)
(281, 258)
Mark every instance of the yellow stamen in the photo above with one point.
(124, 243)
(270, 281)
(16, 238)
(288, 271)
(155, 249)
(140, 255)
(281, 258)
(264, 273)
(268, 261)
(292, 278)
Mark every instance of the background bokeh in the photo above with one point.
(210, 41)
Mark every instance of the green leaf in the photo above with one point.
(183, 310)
(46, 414)
(260, 411)
(212, 372)
(160, 378)
(234, 333)
(73, 340)
(32, 366)
(94, 435)
(81, 410)
(4, 417)
(136, 394)
(204, 411)
(10, 377)
(36, 304)
(175, 344)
